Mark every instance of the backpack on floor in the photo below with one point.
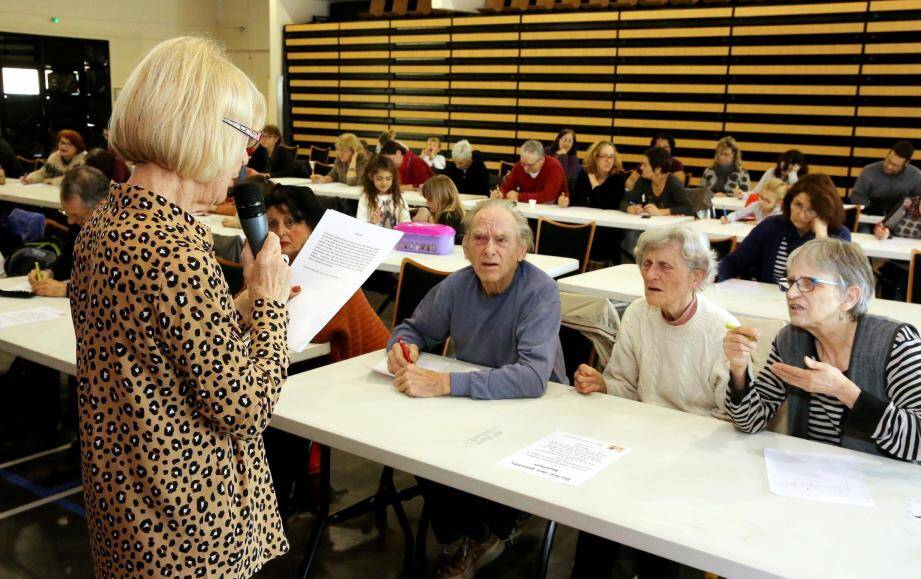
(23, 260)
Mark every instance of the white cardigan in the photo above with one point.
(679, 367)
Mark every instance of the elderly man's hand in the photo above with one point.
(421, 383)
(396, 360)
(512, 195)
(563, 200)
(495, 193)
(588, 380)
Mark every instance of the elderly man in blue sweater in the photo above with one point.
(503, 313)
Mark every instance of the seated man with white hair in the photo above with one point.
(669, 352)
(467, 170)
(503, 313)
(535, 176)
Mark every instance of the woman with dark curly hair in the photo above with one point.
(812, 209)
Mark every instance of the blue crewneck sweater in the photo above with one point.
(515, 332)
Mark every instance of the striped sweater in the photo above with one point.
(895, 426)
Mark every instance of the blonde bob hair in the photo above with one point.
(170, 112)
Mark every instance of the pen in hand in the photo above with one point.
(38, 272)
(405, 351)
(731, 326)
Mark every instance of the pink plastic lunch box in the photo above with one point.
(426, 238)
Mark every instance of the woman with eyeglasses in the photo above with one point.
(849, 378)
(601, 183)
(811, 209)
(176, 380)
(70, 152)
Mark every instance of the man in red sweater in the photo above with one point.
(413, 170)
(535, 176)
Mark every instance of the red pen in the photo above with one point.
(405, 350)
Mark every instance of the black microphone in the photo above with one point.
(251, 210)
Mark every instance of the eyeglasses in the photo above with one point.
(804, 284)
(604, 156)
(810, 212)
(253, 136)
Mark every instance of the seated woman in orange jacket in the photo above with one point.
(293, 213)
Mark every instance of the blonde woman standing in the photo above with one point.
(176, 381)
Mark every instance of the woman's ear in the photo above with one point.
(851, 297)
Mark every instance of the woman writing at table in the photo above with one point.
(657, 192)
(176, 381)
(351, 158)
(849, 378)
(600, 184)
(668, 353)
(811, 209)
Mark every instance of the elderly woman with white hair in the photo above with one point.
(669, 348)
(668, 353)
(176, 381)
(467, 169)
(850, 378)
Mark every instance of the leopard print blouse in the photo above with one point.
(174, 395)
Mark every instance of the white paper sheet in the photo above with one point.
(23, 286)
(29, 316)
(565, 457)
(816, 476)
(431, 362)
(339, 256)
(914, 510)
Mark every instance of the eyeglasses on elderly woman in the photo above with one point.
(252, 134)
(805, 284)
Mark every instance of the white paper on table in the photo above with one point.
(740, 286)
(432, 362)
(816, 476)
(29, 316)
(23, 286)
(339, 256)
(914, 510)
(565, 457)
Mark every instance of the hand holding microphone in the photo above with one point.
(266, 271)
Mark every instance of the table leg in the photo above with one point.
(545, 549)
(323, 513)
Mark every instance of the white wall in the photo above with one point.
(131, 26)
(243, 28)
(251, 30)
